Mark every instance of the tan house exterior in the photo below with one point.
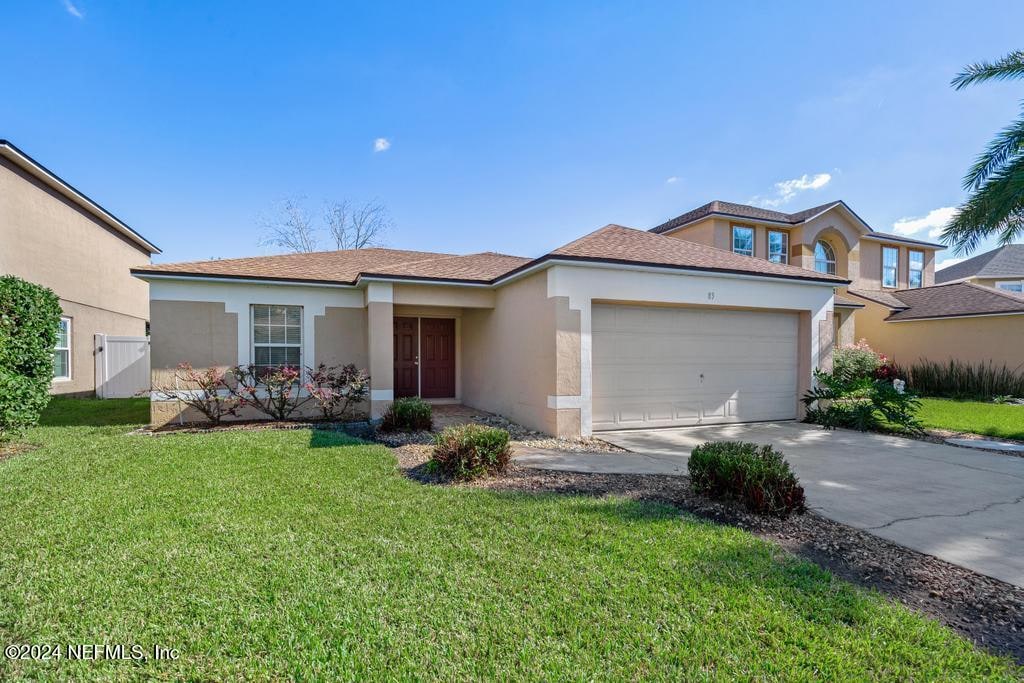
(620, 328)
(899, 309)
(51, 234)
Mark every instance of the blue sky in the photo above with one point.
(511, 127)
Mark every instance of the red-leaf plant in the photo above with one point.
(337, 391)
(205, 390)
(272, 391)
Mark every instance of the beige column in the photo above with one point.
(380, 342)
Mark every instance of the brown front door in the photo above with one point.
(437, 347)
(406, 357)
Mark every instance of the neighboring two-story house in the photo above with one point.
(892, 300)
(53, 235)
(1001, 268)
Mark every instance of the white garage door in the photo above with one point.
(662, 367)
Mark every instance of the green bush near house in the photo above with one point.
(470, 451)
(757, 476)
(29, 322)
(865, 404)
(956, 379)
(408, 414)
(856, 361)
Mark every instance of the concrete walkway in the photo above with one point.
(964, 506)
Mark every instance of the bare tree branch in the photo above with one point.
(290, 227)
(357, 227)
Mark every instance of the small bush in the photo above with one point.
(337, 392)
(274, 392)
(204, 390)
(956, 379)
(408, 414)
(757, 476)
(856, 361)
(470, 451)
(29, 320)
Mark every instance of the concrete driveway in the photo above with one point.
(962, 505)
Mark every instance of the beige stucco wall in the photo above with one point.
(521, 352)
(50, 241)
(971, 340)
(86, 323)
(341, 337)
(440, 295)
(196, 332)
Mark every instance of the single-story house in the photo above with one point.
(619, 328)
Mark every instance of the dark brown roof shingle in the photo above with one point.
(955, 300)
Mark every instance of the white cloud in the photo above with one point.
(946, 263)
(934, 222)
(73, 11)
(381, 145)
(671, 180)
(787, 189)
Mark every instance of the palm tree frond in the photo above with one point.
(1008, 144)
(1010, 66)
(996, 207)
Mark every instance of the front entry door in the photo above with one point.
(438, 362)
(406, 357)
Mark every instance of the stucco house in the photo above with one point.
(53, 235)
(619, 328)
(1002, 268)
(894, 299)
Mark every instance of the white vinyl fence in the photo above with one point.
(122, 366)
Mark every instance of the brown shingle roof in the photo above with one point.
(884, 298)
(610, 244)
(955, 300)
(1006, 261)
(848, 301)
(616, 244)
(754, 213)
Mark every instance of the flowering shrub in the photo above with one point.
(865, 403)
(337, 391)
(274, 392)
(856, 361)
(205, 390)
(757, 476)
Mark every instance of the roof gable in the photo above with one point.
(1005, 261)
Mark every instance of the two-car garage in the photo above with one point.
(657, 366)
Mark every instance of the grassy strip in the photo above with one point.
(298, 554)
(990, 419)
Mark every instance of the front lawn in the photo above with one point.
(991, 419)
(299, 554)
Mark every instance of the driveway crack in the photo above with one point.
(983, 508)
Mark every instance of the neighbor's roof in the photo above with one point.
(29, 165)
(956, 300)
(1006, 261)
(612, 244)
(756, 213)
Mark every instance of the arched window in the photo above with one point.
(824, 258)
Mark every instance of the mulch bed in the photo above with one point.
(986, 611)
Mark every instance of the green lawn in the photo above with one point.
(291, 554)
(992, 419)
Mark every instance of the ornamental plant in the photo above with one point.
(275, 392)
(469, 451)
(757, 476)
(29, 321)
(856, 361)
(865, 404)
(408, 414)
(204, 390)
(337, 392)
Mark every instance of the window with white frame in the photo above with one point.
(824, 258)
(743, 240)
(778, 246)
(915, 278)
(1010, 285)
(890, 259)
(62, 351)
(276, 337)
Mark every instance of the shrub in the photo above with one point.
(205, 390)
(408, 414)
(337, 392)
(757, 476)
(856, 361)
(956, 379)
(29, 320)
(865, 404)
(273, 392)
(471, 450)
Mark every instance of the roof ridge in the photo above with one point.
(1019, 298)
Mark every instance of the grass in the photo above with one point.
(296, 554)
(992, 419)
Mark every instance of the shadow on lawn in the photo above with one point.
(93, 412)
